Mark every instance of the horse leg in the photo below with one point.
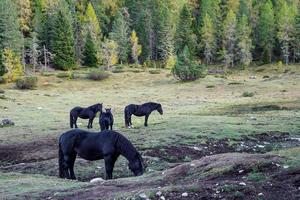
(66, 167)
(146, 120)
(109, 165)
(71, 165)
(75, 121)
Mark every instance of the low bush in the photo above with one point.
(248, 94)
(97, 75)
(27, 82)
(154, 71)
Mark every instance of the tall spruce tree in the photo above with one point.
(266, 30)
(244, 41)
(89, 52)
(297, 36)
(121, 35)
(63, 39)
(184, 35)
(229, 38)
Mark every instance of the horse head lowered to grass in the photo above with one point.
(107, 145)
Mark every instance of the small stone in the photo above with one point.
(277, 165)
(192, 165)
(39, 108)
(261, 194)
(185, 194)
(162, 198)
(285, 166)
(96, 180)
(143, 196)
(252, 77)
(197, 148)
(217, 192)
(158, 193)
(242, 183)
(241, 171)
(260, 146)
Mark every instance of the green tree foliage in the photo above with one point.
(186, 68)
(184, 35)
(229, 38)
(121, 35)
(10, 35)
(109, 53)
(208, 39)
(89, 52)
(244, 41)
(92, 22)
(63, 40)
(285, 30)
(297, 36)
(266, 30)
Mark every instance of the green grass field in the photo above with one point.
(194, 113)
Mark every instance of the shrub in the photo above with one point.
(248, 94)
(27, 82)
(186, 69)
(118, 69)
(97, 75)
(154, 71)
(69, 75)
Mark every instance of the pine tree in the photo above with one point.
(89, 52)
(244, 41)
(229, 38)
(121, 35)
(63, 40)
(10, 35)
(184, 35)
(285, 30)
(266, 30)
(208, 39)
(92, 22)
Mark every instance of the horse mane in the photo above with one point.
(126, 148)
(93, 107)
(153, 105)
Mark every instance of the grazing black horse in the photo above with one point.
(84, 113)
(106, 120)
(140, 110)
(107, 145)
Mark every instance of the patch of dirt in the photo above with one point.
(258, 143)
(188, 179)
(28, 152)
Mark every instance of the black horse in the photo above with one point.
(140, 110)
(106, 120)
(84, 113)
(107, 145)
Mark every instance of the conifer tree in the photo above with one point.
(297, 36)
(266, 30)
(92, 22)
(89, 52)
(121, 35)
(10, 35)
(184, 35)
(208, 39)
(229, 38)
(63, 40)
(244, 41)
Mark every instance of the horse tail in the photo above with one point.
(60, 161)
(71, 120)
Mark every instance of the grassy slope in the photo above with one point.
(193, 112)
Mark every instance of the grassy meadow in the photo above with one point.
(211, 109)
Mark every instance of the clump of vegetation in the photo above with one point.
(210, 86)
(97, 75)
(248, 94)
(118, 69)
(154, 71)
(27, 82)
(186, 68)
(69, 75)
(256, 176)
